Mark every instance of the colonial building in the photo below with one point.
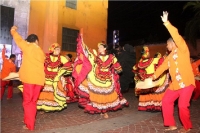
(55, 21)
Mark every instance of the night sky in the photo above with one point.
(140, 19)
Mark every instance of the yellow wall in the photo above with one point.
(89, 15)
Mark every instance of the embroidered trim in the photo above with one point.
(48, 103)
(83, 88)
(109, 105)
(145, 64)
(101, 90)
(178, 75)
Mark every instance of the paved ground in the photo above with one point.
(74, 120)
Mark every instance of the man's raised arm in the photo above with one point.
(178, 39)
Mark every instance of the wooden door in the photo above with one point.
(7, 21)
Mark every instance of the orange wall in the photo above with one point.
(90, 15)
(36, 19)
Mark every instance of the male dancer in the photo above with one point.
(31, 74)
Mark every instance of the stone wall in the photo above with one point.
(21, 18)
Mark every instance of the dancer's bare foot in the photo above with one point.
(183, 130)
(101, 114)
(105, 115)
(24, 127)
(171, 128)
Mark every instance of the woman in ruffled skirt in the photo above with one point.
(97, 80)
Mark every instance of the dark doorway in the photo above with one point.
(7, 20)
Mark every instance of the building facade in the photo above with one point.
(60, 21)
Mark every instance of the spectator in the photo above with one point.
(7, 67)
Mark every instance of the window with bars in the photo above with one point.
(71, 4)
(69, 37)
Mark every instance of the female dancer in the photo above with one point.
(53, 95)
(150, 99)
(97, 80)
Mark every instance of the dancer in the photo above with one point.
(69, 57)
(31, 73)
(71, 96)
(195, 68)
(183, 83)
(7, 67)
(97, 80)
(53, 95)
(150, 99)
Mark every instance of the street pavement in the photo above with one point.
(74, 120)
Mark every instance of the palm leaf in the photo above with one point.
(189, 4)
(195, 5)
(192, 28)
(192, 31)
